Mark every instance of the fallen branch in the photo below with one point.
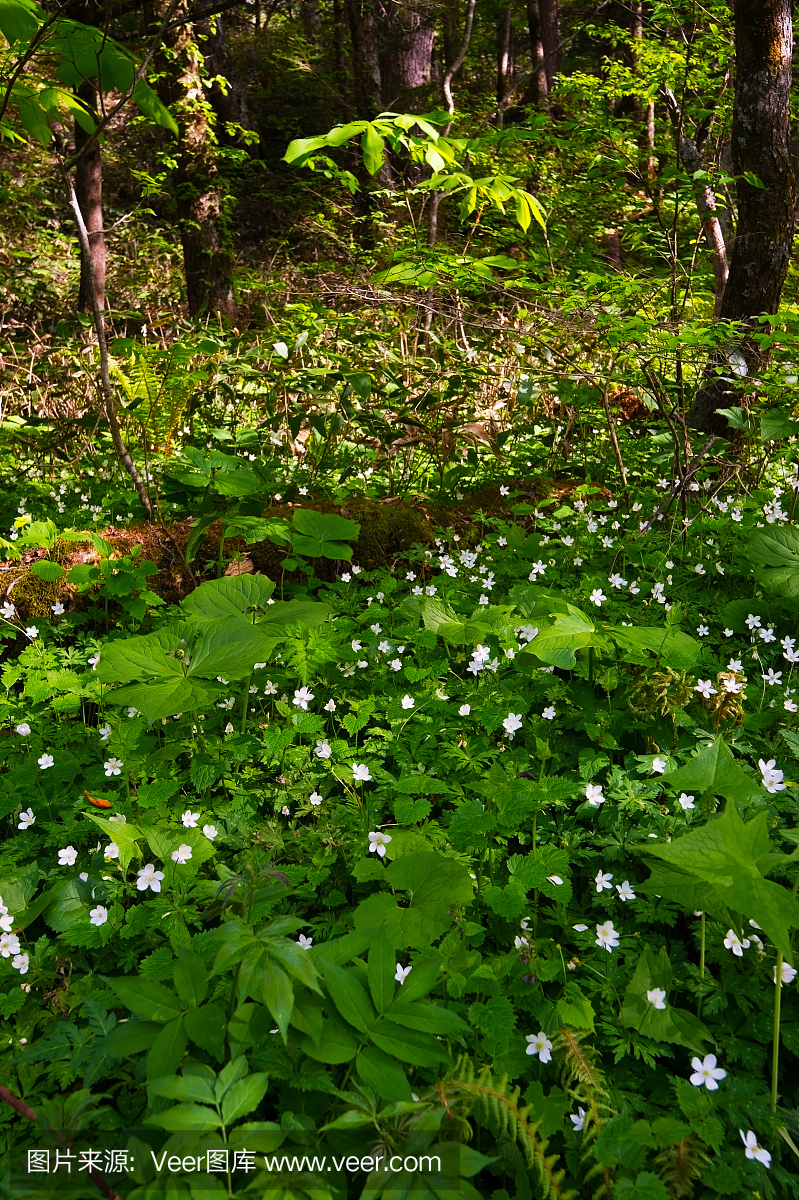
(27, 1112)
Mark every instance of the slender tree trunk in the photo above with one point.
(366, 73)
(550, 37)
(504, 36)
(690, 153)
(537, 91)
(457, 61)
(199, 192)
(89, 192)
(761, 249)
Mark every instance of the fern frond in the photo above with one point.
(583, 1080)
(500, 1111)
(681, 1165)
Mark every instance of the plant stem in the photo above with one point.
(775, 1049)
(701, 961)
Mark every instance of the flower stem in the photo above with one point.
(775, 1049)
(701, 962)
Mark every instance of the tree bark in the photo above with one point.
(537, 91)
(457, 61)
(366, 73)
(89, 191)
(199, 193)
(504, 62)
(761, 249)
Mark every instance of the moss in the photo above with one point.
(32, 596)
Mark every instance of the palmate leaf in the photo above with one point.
(774, 553)
(714, 772)
(730, 855)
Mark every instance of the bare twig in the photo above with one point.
(123, 454)
(26, 1111)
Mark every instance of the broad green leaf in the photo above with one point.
(125, 836)
(146, 997)
(147, 102)
(46, 570)
(153, 654)
(321, 534)
(427, 1018)
(130, 1037)
(244, 1096)
(182, 1087)
(187, 1116)
(232, 597)
(277, 993)
(730, 855)
(206, 1027)
(382, 965)
(383, 1074)
(349, 997)
(160, 698)
(575, 1009)
(372, 147)
(19, 20)
(167, 1050)
(337, 1044)
(714, 771)
(408, 1045)
(774, 553)
(422, 979)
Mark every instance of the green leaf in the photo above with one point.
(575, 1009)
(422, 979)
(730, 856)
(427, 1018)
(349, 997)
(321, 534)
(383, 1074)
(132, 1037)
(624, 1142)
(372, 147)
(244, 1096)
(146, 997)
(206, 1026)
(277, 994)
(408, 1045)
(382, 965)
(19, 20)
(232, 597)
(190, 977)
(147, 102)
(337, 1043)
(774, 553)
(125, 836)
(167, 1050)
(715, 772)
(646, 1187)
(183, 1087)
(46, 570)
(187, 1116)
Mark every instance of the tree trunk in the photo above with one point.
(550, 38)
(690, 154)
(366, 74)
(406, 52)
(537, 91)
(89, 192)
(456, 61)
(199, 193)
(504, 64)
(761, 250)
